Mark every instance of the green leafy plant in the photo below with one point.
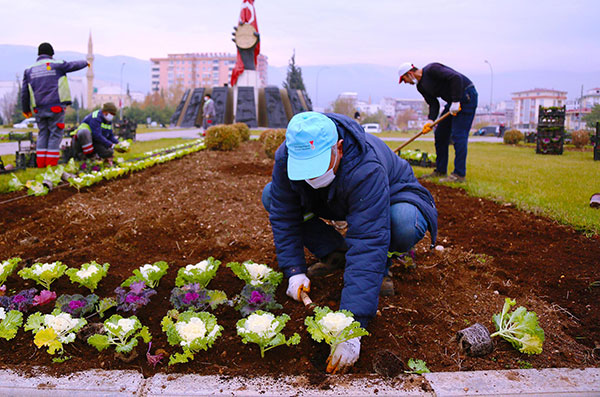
(121, 332)
(264, 329)
(89, 275)
(9, 323)
(43, 273)
(54, 330)
(222, 137)
(417, 367)
(520, 328)
(149, 274)
(192, 331)
(104, 305)
(512, 137)
(14, 183)
(256, 274)
(200, 273)
(7, 267)
(36, 188)
(334, 327)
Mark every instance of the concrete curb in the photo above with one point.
(552, 381)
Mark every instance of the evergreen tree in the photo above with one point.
(294, 76)
(18, 113)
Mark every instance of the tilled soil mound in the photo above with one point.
(208, 204)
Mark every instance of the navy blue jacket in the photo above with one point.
(102, 132)
(440, 81)
(369, 179)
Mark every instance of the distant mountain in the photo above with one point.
(369, 81)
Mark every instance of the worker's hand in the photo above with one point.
(89, 65)
(296, 284)
(119, 149)
(428, 127)
(454, 108)
(344, 356)
(27, 114)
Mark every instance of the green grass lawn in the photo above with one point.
(558, 187)
(137, 149)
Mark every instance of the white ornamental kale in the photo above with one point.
(333, 327)
(9, 323)
(43, 273)
(89, 275)
(264, 329)
(148, 273)
(7, 267)
(192, 331)
(200, 273)
(54, 329)
(121, 332)
(256, 274)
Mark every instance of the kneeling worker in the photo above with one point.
(95, 135)
(330, 168)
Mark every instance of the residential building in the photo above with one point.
(388, 105)
(198, 70)
(590, 99)
(418, 106)
(527, 104)
(579, 108)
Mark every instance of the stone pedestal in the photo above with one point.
(248, 78)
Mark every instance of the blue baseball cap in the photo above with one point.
(309, 138)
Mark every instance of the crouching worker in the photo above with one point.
(329, 168)
(94, 136)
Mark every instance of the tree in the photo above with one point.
(17, 115)
(343, 106)
(294, 80)
(379, 118)
(593, 117)
(404, 117)
(8, 103)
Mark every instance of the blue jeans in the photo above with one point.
(408, 228)
(456, 127)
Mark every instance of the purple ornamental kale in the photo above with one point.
(23, 301)
(77, 305)
(44, 297)
(138, 296)
(253, 298)
(153, 359)
(190, 296)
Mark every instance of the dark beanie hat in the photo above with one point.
(109, 107)
(45, 49)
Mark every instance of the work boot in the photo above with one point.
(453, 178)
(434, 174)
(387, 286)
(328, 265)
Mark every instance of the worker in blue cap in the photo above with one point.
(330, 168)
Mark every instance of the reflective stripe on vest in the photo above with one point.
(31, 98)
(106, 126)
(64, 94)
(84, 126)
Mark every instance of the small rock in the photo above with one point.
(439, 248)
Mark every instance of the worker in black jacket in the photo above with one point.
(439, 81)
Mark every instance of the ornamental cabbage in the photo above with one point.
(256, 274)
(14, 184)
(43, 273)
(520, 328)
(192, 331)
(137, 296)
(121, 332)
(200, 273)
(193, 296)
(264, 329)
(36, 188)
(10, 321)
(149, 274)
(23, 301)
(7, 267)
(53, 330)
(89, 275)
(333, 327)
(252, 299)
(77, 305)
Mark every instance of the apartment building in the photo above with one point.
(527, 104)
(198, 70)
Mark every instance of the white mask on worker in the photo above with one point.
(413, 79)
(325, 179)
(108, 117)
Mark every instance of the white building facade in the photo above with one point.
(527, 104)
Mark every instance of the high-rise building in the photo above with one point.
(198, 70)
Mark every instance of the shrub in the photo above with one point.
(271, 140)
(512, 137)
(243, 130)
(580, 138)
(222, 137)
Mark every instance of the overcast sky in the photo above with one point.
(510, 34)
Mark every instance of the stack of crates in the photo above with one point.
(550, 130)
(597, 143)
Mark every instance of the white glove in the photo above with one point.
(297, 283)
(344, 356)
(454, 108)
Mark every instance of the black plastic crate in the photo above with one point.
(550, 136)
(597, 143)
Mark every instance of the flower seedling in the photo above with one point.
(192, 331)
(333, 327)
(7, 267)
(417, 367)
(89, 275)
(77, 305)
(149, 274)
(54, 330)
(256, 274)
(264, 329)
(154, 359)
(137, 296)
(43, 273)
(121, 332)
(520, 328)
(14, 184)
(9, 323)
(104, 305)
(44, 298)
(22, 301)
(123, 146)
(193, 296)
(36, 188)
(252, 299)
(200, 273)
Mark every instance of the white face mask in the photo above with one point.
(325, 179)
(108, 117)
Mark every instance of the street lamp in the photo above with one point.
(492, 86)
(121, 93)
(317, 88)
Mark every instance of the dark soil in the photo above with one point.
(208, 204)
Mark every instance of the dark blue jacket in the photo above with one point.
(102, 132)
(369, 179)
(441, 81)
(45, 83)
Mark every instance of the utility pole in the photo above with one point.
(492, 87)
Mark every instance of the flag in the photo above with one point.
(247, 15)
